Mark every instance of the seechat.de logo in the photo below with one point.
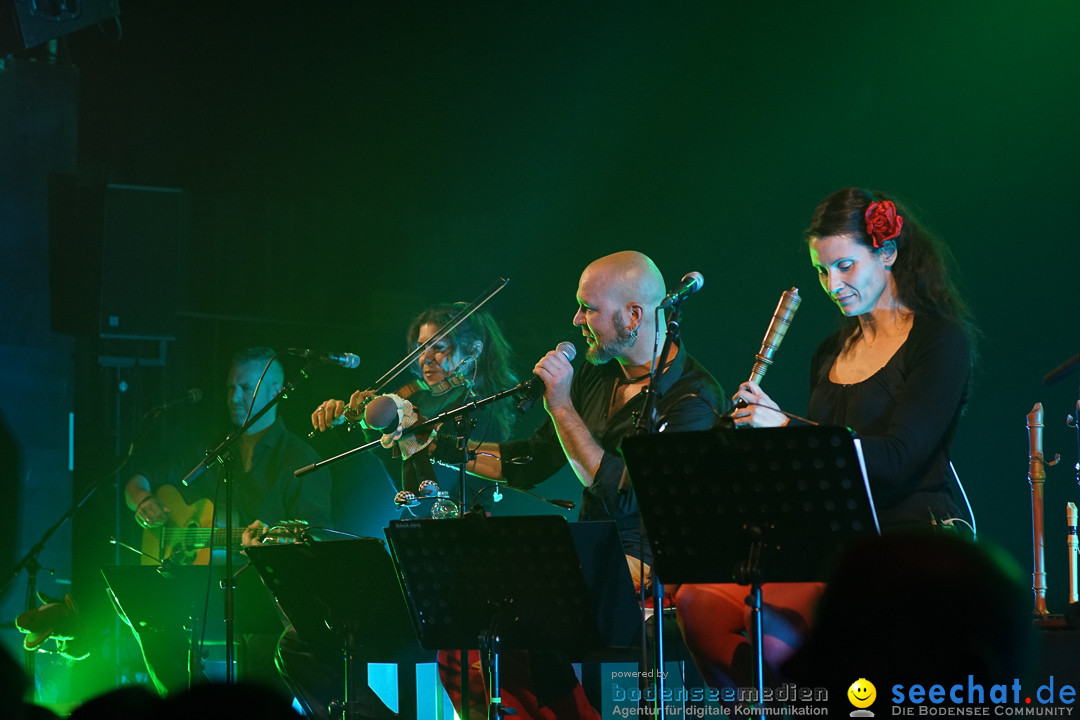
(862, 695)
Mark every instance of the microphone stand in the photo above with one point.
(222, 455)
(463, 424)
(30, 561)
(645, 425)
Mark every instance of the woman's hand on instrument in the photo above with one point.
(753, 408)
(358, 401)
(327, 414)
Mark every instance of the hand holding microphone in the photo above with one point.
(552, 371)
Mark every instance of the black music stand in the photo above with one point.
(750, 506)
(514, 583)
(173, 599)
(347, 588)
(149, 596)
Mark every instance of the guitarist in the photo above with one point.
(265, 492)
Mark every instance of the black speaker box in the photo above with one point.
(28, 23)
(116, 264)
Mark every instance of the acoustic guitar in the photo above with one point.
(187, 536)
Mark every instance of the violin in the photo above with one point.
(448, 383)
(451, 382)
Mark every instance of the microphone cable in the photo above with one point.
(562, 504)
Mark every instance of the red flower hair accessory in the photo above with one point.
(882, 222)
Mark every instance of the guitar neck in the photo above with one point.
(198, 538)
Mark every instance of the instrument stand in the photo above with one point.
(362, 610)
(170, 600)
(350, 708)
(504, 584)
(749, 506)
(748, 572)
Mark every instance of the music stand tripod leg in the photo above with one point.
(658, 658)
(348, 708)
(754, 600)
(194, 663)
(748, 572)
(492, 646)
(496, 710)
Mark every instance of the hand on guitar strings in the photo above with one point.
(254, 534)
(152, 512)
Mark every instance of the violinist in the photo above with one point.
(470, 362)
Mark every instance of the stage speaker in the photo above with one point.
(29, 23)
(116, 258)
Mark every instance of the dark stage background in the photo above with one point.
(344, 165)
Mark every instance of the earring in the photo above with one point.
(633, 334)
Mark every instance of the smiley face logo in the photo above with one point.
(862, 693)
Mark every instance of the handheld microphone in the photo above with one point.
(531, 390)
(191, 397)
(690, 284)
(381, 414)
(345, 360)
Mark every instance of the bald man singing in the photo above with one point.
(590, 411)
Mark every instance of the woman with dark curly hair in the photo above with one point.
(477, 349)
(471, 362)
(897, 372)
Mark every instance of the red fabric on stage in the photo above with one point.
(714, 619)
(516, 681)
